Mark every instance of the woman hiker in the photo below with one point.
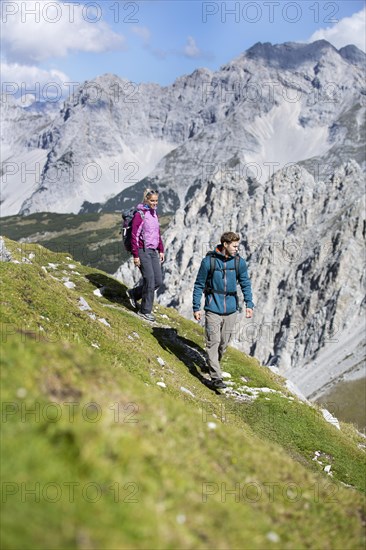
(148, 253)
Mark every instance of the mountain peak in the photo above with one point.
(353, 54)
(289, 54)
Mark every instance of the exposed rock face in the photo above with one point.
(5, 255)
(270, 106)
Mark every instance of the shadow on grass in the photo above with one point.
(110, 288)
(187, 351)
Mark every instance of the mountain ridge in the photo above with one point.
(122, 130)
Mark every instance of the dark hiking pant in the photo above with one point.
(219, 329)
(152, 278)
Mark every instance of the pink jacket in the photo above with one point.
(145, 231)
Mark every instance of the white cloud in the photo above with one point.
(145, 34)
(191, 49)
(35, 31)
(22, 80)
(350, 30)
(142, 32)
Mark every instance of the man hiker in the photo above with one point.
(218, 275)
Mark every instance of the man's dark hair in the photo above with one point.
(229, 237)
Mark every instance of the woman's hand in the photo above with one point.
(137, 262)
(162, 257)
(248, 313)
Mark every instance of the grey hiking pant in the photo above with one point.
(219, 329)
(152, 278)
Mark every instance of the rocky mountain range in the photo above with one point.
(271, 145)
(270, 106)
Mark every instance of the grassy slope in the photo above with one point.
(159, 472)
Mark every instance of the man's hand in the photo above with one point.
(162, 257)
(197, 315)
(248, 313)
(137, 262)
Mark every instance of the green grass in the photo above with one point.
(115, 461)
(300, 430)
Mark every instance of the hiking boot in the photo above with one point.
(218, 384)
(131, 298)
(147, 316)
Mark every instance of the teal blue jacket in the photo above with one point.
(224, 280)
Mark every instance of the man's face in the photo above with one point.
(231, 249)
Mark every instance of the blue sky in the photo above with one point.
(157, 40)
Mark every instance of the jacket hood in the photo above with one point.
(218, 251)
(142, 206)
